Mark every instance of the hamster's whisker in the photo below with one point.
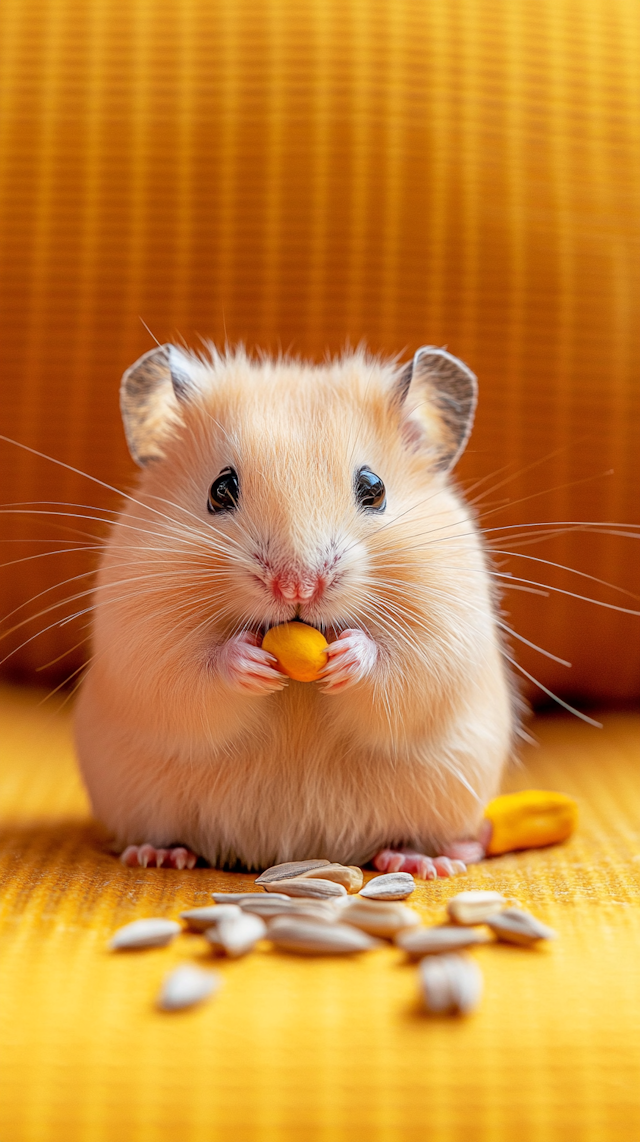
(393, 522)
(508, 575)
(447, 595)
(549, 563)
(483, 480)
(534, 646)
(591, 527)
(545, 492)
(79, 472)
(525, 590)
(44, 554)
(564, 567)
(92, 591)
(393, 620)
(174, 526)
(550, 693)
(514, 475)
(65, 681)
(59, 657)
(174, 564)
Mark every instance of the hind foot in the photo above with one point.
(451, 863)
(147, 856)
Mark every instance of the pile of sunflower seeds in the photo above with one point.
(315, 907)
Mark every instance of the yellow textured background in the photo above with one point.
(297, 1050)
(301, 172)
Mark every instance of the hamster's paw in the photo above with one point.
(247, 667)
(350, 658)
(147, 856)
(424, 867)
(468, 851)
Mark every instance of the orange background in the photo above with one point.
(297, 173)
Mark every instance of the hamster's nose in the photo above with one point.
(297, 588)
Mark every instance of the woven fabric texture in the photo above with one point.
(305, 1050)
(299, 173)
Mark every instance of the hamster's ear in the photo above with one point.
(151, 392)
(438, 396)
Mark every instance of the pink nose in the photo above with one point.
(296, 588)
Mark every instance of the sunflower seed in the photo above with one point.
(475, 906)
(516, 926)
(319, 939)
(270, 905)
(236, 935)
(149, 933)
(418, 942)
(350, 876)
(267, 906)
(198, 919)
(450, 984)
(289, 869)
(242, 897)
(378, 917)
(391, 886)
(305, 886)
(308, 911)
(187, 985)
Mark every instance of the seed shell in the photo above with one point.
(419, 942)
(474, 906)
(305, 886)
(237, 935)
(186, 986)
(515, 926)
(242, 897)
(149, 933)
(382, 918)
(390, 886)
(288, 869)
(350, 876)
(293, 935)
(450, 984)
(199, 919)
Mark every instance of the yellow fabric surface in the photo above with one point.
(302, 172)
(300, 1050)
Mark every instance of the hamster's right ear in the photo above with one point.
(151, 393)
(437, 394)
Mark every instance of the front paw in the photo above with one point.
(350, 659)
(246, 667)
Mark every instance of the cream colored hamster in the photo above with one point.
(280, 490)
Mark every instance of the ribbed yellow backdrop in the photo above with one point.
(299, 173)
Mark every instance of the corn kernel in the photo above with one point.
(529, 819)
(300, 650)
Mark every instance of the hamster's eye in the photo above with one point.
(370, 491)
(224, 492)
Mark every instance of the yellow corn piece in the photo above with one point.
(299, 649)
(529, 819)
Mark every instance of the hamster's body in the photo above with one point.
(186, 732)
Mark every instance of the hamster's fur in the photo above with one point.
(409, 751)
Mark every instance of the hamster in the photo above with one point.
(272, 491)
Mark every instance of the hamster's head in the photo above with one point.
(280, 490)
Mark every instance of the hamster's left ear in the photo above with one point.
(438, 396)
(151, 393)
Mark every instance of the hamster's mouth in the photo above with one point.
(329, 630)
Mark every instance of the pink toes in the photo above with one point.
(389, 861)
(146, 856)
(468, 851)
(419, 865)
(446, 867)
(349, 659)
(247, 667)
